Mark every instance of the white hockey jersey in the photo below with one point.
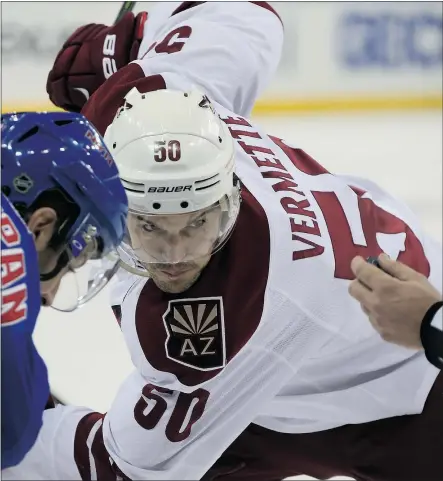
(267, 335)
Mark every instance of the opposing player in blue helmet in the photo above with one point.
(62, 206)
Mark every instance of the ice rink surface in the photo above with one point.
(85, 353)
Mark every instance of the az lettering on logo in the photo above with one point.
(188, 347)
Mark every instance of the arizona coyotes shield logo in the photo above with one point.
(196, 333)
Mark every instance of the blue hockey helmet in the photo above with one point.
(61, 151)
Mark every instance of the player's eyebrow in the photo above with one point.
(143, 219)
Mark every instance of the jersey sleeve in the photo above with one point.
(25, 388)
(230, 50)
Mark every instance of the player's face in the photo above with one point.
(175, 248)
(68, 282)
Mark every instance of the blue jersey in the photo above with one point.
(25, 388)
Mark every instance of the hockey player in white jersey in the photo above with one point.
(251, 360)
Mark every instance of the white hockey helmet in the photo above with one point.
(175, 156)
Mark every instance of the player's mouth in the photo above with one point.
(175, 273)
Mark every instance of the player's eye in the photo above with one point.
(149, 227)
(198, 223)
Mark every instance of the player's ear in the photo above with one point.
(42, 225)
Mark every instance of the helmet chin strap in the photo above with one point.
(62, 262)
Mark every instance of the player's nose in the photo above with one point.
(174, 250)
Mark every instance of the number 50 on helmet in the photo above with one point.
(176, 162)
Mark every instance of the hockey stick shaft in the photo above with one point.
(126, 7)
